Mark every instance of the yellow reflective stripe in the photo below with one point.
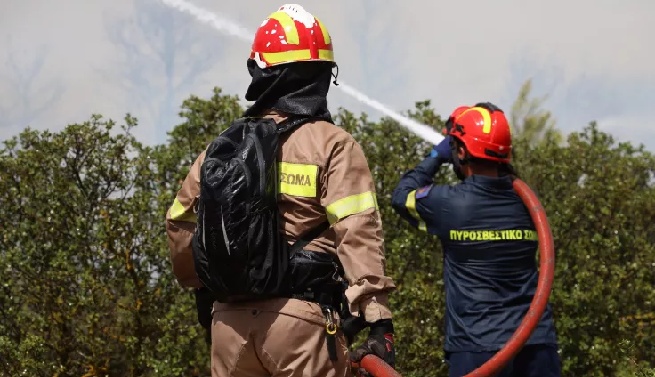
(410, 204)
(296, 55)
(288, 25)
(326, 35)
(350, 205)
(178, 213)
(298, 179)
(486, 118)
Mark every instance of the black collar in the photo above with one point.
(503, 183)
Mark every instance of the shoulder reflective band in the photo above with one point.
(298, 179)
(350, 205)
(410, 204)
(178, 213)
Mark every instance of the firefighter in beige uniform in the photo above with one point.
(323, 177)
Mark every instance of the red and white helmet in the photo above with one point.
(291, 34)
(484, 130)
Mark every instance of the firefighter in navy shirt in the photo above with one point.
(489, 243)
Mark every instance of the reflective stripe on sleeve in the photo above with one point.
(350, 205)
(410, 204)
(178, 213)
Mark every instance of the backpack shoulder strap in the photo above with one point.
(308, 236)
(292, 122)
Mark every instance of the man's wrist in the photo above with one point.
(375, 307)
(430, 166)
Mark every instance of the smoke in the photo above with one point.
(233, 29)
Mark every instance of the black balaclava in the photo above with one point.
(454, 144)
(504, 169)
(298, 88)
(457, 162)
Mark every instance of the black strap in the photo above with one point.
(296, 120)
(292, 122)
(308, 236)
(287, 124)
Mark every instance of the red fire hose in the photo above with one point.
(378, 368)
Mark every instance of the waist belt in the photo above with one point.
(315, 277)
(321, 298)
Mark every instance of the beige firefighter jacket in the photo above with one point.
(323, 175)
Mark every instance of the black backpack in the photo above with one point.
(239, 251)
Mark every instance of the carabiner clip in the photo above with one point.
(330, 326)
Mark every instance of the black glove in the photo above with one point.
(378, 343)
(204, 303)
(351, 326)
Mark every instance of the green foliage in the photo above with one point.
(87, 285)
(600, 199)
(87, 288)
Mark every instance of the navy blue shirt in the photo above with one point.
(489, 243)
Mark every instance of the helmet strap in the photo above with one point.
(335, 75)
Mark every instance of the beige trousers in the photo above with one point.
(274, 338)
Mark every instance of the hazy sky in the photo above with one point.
(61, 61)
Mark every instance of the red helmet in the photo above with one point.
(291, 34)
(454, 115)
(484, 130)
